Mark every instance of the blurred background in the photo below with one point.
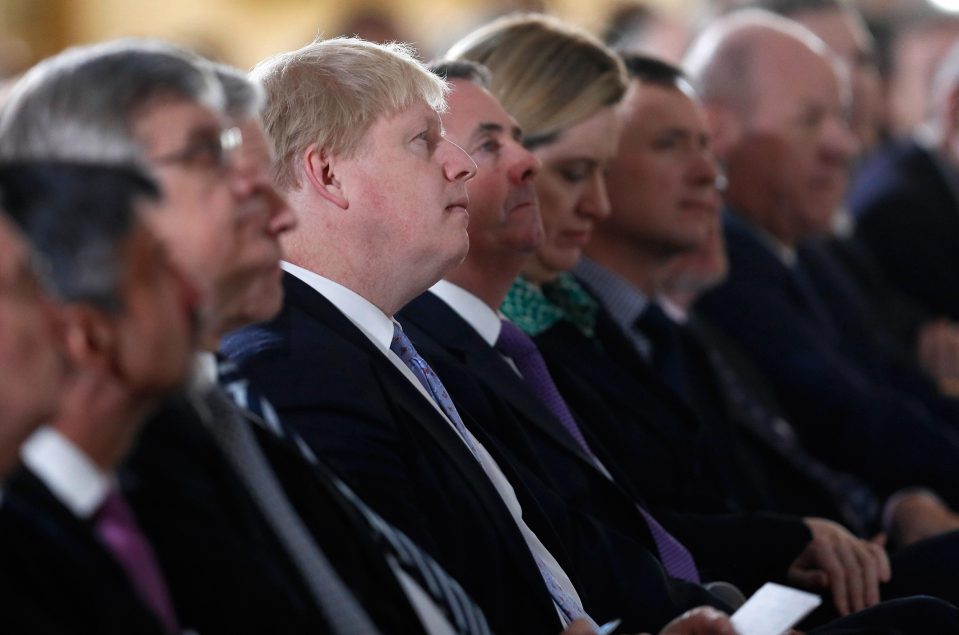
(910, 35)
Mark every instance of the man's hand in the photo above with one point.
(850, 568)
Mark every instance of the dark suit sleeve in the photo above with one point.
(887, 439)
(350, 424)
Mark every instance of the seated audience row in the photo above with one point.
(316, 350)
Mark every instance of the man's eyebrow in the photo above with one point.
(483, 128)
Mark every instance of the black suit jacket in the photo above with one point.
(356, 410)
(613, 548)
(342, 533)
(225, 567)
(909, 216)
(60, 577)
(888, 439)
(667, 455)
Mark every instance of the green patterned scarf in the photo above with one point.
(534, 309)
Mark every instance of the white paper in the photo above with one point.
(773, 610)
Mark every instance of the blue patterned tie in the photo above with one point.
(449, 596)
(403, 348)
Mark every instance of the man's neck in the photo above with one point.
(383, 292)
(101, 418)
(490, 282)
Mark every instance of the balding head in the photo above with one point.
(723, 61)
(776, 101)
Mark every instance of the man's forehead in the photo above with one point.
(174, 115)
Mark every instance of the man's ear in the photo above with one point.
(725, 128)
(321, 174)
(89, 337)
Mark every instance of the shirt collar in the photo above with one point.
(673, 311)
(204, 373)
(477, 313)
(364, 314)
(66, 471)
(623, 300)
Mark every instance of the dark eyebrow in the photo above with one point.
(483, 128)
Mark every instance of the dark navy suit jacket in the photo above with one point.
(889, 439)
(59, 576)
(358, 412)
(613, 547)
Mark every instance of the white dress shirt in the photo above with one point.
(378, 327)
(66, 471)
(484, 320)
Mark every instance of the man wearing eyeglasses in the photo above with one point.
(254, 534)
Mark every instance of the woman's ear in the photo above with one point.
(321, 174)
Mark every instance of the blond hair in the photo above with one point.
(330, 92)
(546, 73)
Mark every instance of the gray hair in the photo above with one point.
(330, 93)
(77, 217)
(79, 105)
(244, 98)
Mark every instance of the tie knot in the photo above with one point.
(401, 344)
(114, 510)
(513, 342)
(655, 324)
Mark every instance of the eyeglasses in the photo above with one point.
(206, 152)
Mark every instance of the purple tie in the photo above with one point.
(119, 532)
(519, 347)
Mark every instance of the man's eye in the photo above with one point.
(205, 154)
(491, 146)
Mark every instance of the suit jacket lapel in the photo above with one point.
(455, 335)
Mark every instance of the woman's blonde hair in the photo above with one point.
(547, 74)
